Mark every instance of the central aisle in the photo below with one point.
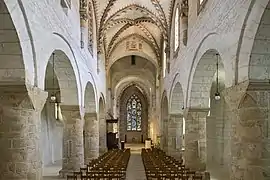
(135, 169)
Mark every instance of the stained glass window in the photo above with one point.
(134, 114)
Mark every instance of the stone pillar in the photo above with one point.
(73, 157)
(20, 129)
(175, 132)
(164, 135)
(91, 137)
(102, 134)
(195, 138)
(249, 103)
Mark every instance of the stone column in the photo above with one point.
(195, 138)
(73, 157)
(249, 103)
(91, 137)
(175, 132)
(20, 129)
(102, 134)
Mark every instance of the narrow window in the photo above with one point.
(133, 60)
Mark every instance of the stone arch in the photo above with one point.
(90, 99)
(164, 122)
(128, 53)
(15, 23)
(203, 77)
(102, 126)
(251, 30)
(259, 66)
(13, 64)
(133, 136)
(66, 77)
(177, 99)
(139, 86)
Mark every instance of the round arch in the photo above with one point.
(259, 65)
(203, 76)
(257, 11)
(90, 99)
(66, 78)
(177, 99)
(68, 64)
(13, 63)
(130, 53)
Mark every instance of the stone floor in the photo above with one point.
(135, 170)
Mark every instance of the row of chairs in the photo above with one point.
(110, 166)
(159, 166)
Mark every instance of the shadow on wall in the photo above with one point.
(51, 136)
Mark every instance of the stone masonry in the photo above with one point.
(195, 139)
(73, 151)
(91, 137)
(175, 133)
(249, 103)
(102, 134)
(20, 126)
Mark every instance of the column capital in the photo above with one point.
(71, 111)
(193, 110)
(91, 115)
(234, 94)
(176, 115)
(23, 96)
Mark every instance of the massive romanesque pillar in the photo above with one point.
(249, 103)
(73, 151)
(91, 137)
(20, 129)
(175, 134)
(102, 134)
(195, 139)
(164, 134)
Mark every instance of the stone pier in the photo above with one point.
(102, 134)
(91, 137)
(164, 135)
(249, 103)
(20, 129)
(195, 139)
(73, 151)
(175, 134)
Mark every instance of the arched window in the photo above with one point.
(90, 28)
(176, 29)
(134, 114)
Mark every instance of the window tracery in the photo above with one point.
(134, 114)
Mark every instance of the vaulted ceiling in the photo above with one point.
(134, 25)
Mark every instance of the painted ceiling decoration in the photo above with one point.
(148, 20)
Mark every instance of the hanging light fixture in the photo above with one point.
(53, 96)
(217, 94)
